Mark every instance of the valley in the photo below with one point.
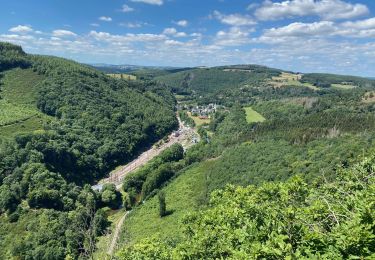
(174, 163)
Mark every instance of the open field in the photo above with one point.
(253, 116)
(198, 121)
(289, 79)
(369, 97)
(123, 76)
(18, 111)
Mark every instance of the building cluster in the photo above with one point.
(203, 111)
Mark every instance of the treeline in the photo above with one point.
(12, 56)
(328, 220)
(326, 80)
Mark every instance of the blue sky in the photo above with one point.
(336, 36)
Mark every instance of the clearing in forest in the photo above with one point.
(18, 109)
(290, 79)
(253, 116)
(199, 120)
(123, 76)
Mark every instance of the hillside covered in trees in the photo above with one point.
(63, 126)
(287, 176)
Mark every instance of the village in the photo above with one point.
(203, 111)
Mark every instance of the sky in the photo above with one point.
(333, 36)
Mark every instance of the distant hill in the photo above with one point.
(124, 68)
(210, 80)
(225, 78)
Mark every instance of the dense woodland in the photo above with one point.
(97, 124)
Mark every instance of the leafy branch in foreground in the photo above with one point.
(327, 220)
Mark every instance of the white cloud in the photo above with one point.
(63, 33)
(234, 19)
(151, 2)
(326, 9)
(235, 36)
(94, 24)
(127, 9)
(132, 24)
(21, 29)
(182, 23)
(361, 24)
(170, 31)
(127, 38)
(105, 18)
(173, 32)
(302, 29)
(322, 29)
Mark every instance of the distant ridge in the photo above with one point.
(123, 68)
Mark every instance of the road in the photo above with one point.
(185, 137)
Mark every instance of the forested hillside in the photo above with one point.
(319, 134)
(209, 80)
(85, 124)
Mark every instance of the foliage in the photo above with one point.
(155, 173)
(209, 80)
(326, 80)
(186, 118)
(162, 204)
(94, 124)
(110, 197)
(12, 56)
(280, 220)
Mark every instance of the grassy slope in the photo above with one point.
(253, 116)
(185, 194)
(18, 111)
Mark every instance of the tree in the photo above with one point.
(110, 196)
(162, 204)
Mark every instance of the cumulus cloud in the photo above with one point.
(151, 2)
(302, 29)
(21, 29)
(173, 32)
(326, 9)
(321, 29)
(182, 23)
(127, 9)
(234, 19)
(105, 18)
(235, 36)
(63, 33)
(132, 24)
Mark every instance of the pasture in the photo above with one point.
(289, 79)
(253, 116)
(343, 86)
(18, 111)
(199, 121)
